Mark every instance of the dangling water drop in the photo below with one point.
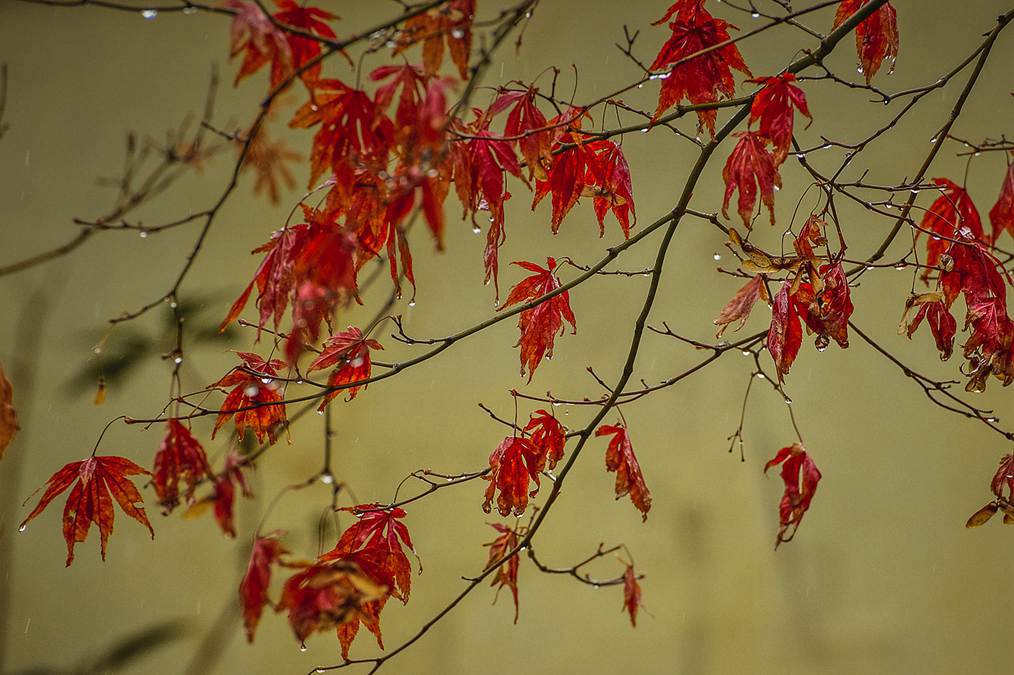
(23, 527)
(149, 14)
(717, 256)
(302, 646)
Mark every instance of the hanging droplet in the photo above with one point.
(755, 15)
(178, 360)
(190, 10)
(788, 401)
(320, 412)
(327, 479)
(302, 646)
(747, 352)
(149, 14)
(266, 380)
(717, 256)
(143, 234)
(457, 33)
(24, 526)
(760, 376)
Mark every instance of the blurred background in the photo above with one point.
(883, 577)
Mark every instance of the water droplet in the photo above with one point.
(251, 391)
(149, 14)
(178, 360)
(327, 479)
(556, 404)
(302, 646)
(411, 303)
(143, 234)
(992, 419)
(457, 33)
(320, 412)
(755, 15)
(717, 256)
(900, 266)
(788, 401)
(189, 10)
(800, 155)
(747, 352)
(760, 376)
(23, 527)
(266, 380)
(476, 229)
(640, 85)
(859, 70)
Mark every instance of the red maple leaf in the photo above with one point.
(739, 306)
(608, 181)
(620, 459)
(565, 179)
(826, 305)
(785, 336)
(268, 158)
(942, 324)
(876, 35)
(311, 20)
(273, 278)
(255, 399)
(348, 353)
(750, 165)
(180, 459)
(97, 482)
(774, 106)
(800, 476)
(353, 129)
(946, 216)
(380, 532)
(450, 22)
(526, 122)
(539, 324)
(260, 42)
(1002, 214)
(631, 594)
(253, 589)
(513, 466)
(701, 79)
(507, 574)
(548, 436)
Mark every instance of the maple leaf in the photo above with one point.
(254, 400)
(951, 212)
(254, 35)
(800, 476)
(565, 180)
(97, 482)
(740, 305)
(701, 79)
(348, 353)
(785, 336)
(331, 594)
(311, 20)
(539, 324)
(180, 459)
(774, 106)
(450, 21)
(273, 278)
(268, 158)
(353, 128)
(620, 459)
(253, 589)
(548, 437)
(1002, 214)
(631, 594)
(526, 121)
(507, 573)
(608, 181)
(223, 494)
(942, 324)
(513, 465)
(8, 416)
(810, 235)
(876, 35)
(750, 165)
(379, 530)
(826, 311)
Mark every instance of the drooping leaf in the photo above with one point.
(1002, 214)
(8, 416)
(785, 336)
(740, 305)
(507, 572)
(951, 212)
(97, 482)
(513, 466)
(621, 460)
(548, 437)
(539, 324)
(942, 323)
(750, 166)
(253, 589)
(774, 106)
(180, 460)
(800, 476)
(876, 35)
(631, 594)
(826, 305)
(380, 532)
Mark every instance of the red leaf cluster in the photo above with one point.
(180, 459)
(750, 166)
(539, 324)
(800, 476)
(774, 107)
(621, 460)
(697, 69)
(97, 482)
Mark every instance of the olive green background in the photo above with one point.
(882, 578)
